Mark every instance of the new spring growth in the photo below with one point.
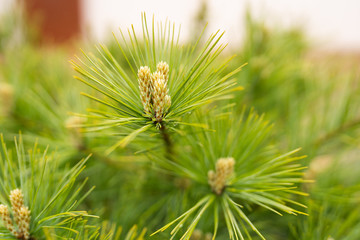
(199, 235)
(74, 126)
(6, 98)
(153, 91)
(224, 169)
(5, 217)
(21, 215)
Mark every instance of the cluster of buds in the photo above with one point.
(199, 235)
(224, 169)
(74, 125)
(6, 99)
(153, 90)
(21, 215)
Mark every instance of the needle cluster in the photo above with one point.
(224, 169)
(21, 215)
(153, 90)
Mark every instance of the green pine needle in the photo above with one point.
(50, 189)
(194, 78)
(261, 175)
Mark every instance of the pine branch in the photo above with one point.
(169, 148)
(42, 194)
(160, 83)
(235, 164)
(333, 134)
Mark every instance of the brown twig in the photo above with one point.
(167, 141)
(336, 132)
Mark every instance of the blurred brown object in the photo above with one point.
(57, 21)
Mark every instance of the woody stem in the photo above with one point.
(167, 141)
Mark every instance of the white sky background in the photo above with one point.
(332, 24)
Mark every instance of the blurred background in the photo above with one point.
(303, 72)
(333, 25)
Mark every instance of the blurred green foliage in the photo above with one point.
(313, 104)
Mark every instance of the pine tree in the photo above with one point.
(163, 146)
